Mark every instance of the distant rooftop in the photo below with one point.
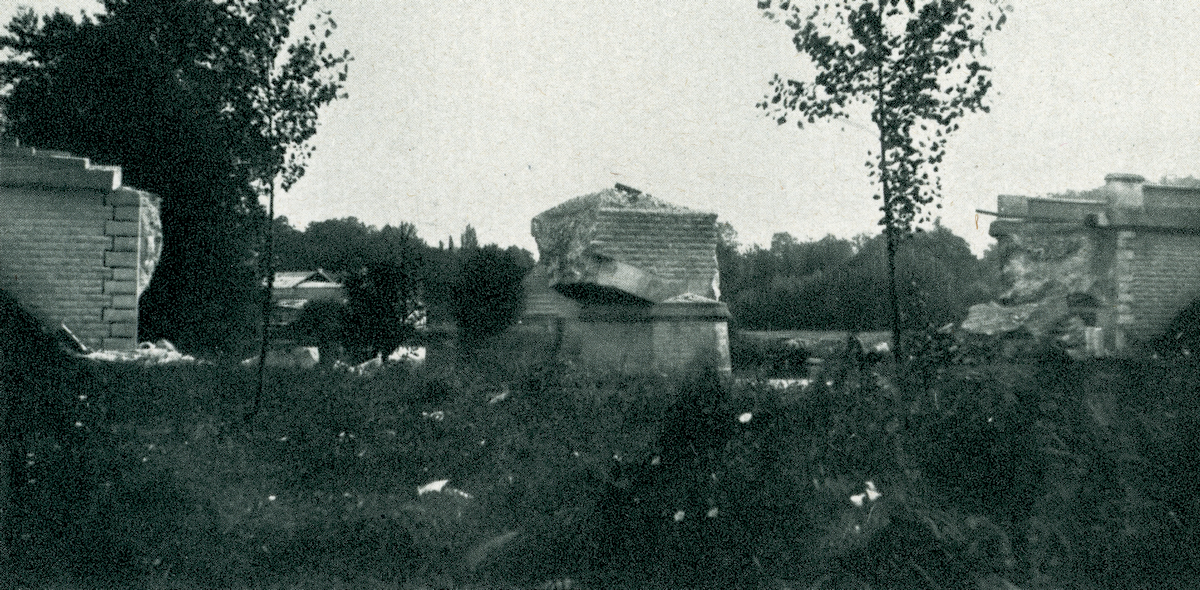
(309, 278)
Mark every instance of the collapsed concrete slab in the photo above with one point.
(77, 248)
(621, 242)
(635, 282)
(1102, 271)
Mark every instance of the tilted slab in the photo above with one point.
(621, 241)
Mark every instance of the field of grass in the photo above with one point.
(1040, 475)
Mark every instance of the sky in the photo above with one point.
(489, 113)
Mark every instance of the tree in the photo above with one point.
(915, 66)
(488, 295)
(207, 104)
(468, 241)
(382, 295)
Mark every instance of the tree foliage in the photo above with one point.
(839, 284)
(915, 66)
(445, 282)
(205, 104)
(488, 294)
(381, 296)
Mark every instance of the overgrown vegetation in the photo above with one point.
(1048, 474)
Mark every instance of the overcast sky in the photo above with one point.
(487, 113)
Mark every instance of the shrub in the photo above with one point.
(381, 296)
(488, 293)
(322, 324)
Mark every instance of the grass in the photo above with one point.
(1047, 474)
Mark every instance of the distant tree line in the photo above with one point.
(390, 271)
(841, 284)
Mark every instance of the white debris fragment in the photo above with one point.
(148, 353)
(408, 354)
(433, 486)
(872, 493)
(869, 494)
(440, 487)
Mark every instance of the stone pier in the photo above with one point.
(635, 282)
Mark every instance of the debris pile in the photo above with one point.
(148, 353)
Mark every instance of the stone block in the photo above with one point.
(126, 213)
(124, 244)
(123, 197)
(621, 240)
(121, 259)
(121, 228)
(124, 274)
(120, 343)
(119, 287)
(124, 302)
(120, 315)
(123, 330)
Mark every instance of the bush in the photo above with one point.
(322, 324)
(769, 358)
(381, 296)
(488, 294)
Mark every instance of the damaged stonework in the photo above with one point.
(635, 282)
(1101, 272)
(76, 247)
(621, 239)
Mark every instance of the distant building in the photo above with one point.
(77, 248)
(293, 291)
(1103, 271)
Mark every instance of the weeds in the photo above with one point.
(1047, 474)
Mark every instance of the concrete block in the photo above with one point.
(120, 259)
(120, 315)
(123, 330)
(34, 173)
(124, 301)
(126, 213)
(123, 197)
(124, 274)
(121, 228)
(120, 288)
(120, 343)
(124, 244)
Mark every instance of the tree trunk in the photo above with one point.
(5, 482)
(269, 275)
(889, 218)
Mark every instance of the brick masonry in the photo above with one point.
(1162, 277)
(1134, 248)
(70, 242)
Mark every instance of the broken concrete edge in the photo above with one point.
(32, 167)
(617, 275)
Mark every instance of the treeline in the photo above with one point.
(841, 284)
(390, 271)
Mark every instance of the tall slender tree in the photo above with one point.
(915, 67)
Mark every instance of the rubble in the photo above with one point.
(300, 357)
(148, 353)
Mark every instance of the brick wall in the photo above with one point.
(674, 245)
(69, 244)
(1159, 274)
